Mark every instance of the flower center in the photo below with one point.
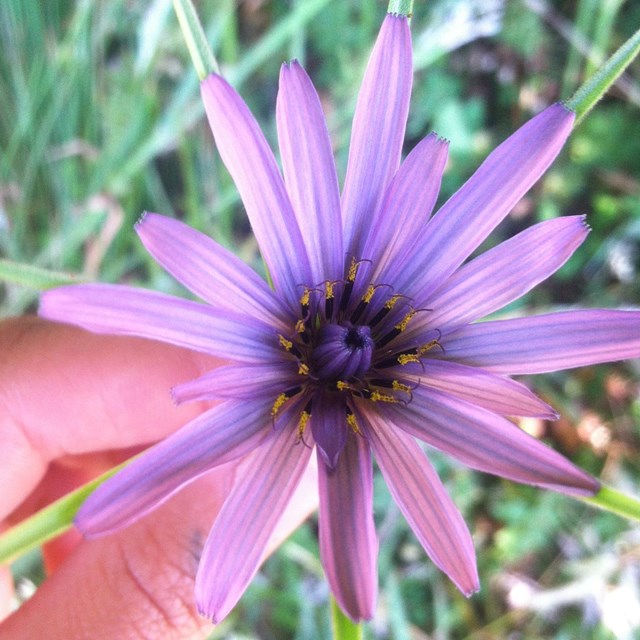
(349, 345)
(342, 352)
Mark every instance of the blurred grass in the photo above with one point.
(100, 119)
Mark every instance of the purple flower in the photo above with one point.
(366, 342)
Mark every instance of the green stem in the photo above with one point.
(343, 628)
(401, 7)
(611, 500)
(585, 98)
(49, 522)
(34, 277)
(201, 54)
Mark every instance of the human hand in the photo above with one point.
(72, 405)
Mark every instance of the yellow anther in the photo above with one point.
(306, 296)
(396, 385)
(305, 416)
(368, 294)
(402, 325)
(427, 347)
(343, 386)
(328, 289)
(300, 326)
(287, 344)
(353, 270)
(406, 358)
(391, 302)
(277, 405)
(376, 396)
(353, 423)
(303, 369)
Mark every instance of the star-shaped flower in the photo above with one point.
(367, 341)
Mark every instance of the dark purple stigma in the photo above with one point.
(342, 352)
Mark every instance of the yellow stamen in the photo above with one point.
(305, 416)
(303, 369)
(277, 405)
(401, 326)
(287, 344)
(376, 396)
(353, 270)
(391, 302)
(396, 385)
(353, 423)
(368, 294)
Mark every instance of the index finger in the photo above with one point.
(65, 391)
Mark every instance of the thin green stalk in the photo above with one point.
(201, 54)
(343, 628)
(611, 500)
(401, 7)
(585, 98)
(49, 522)
(27, 275)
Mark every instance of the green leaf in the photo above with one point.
(201, 54)
(585, 98)
(49, 522)
(34, 277)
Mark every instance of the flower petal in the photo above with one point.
(485, 441)
(329, 427)
(549, 342)
(252, 166)
(378, 129)
(238, 381)
(236, 544)
(208, 269)
(506, 272)
(348, 543)
(407, 205)
(497, 394)
(104, 308)
(310, 172)
(221, 434)
(423, 500)
(468, 217)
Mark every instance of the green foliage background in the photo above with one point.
(100, 119)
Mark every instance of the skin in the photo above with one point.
(73, 404)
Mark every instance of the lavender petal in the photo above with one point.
(549, 342)
(223, 433)
(423, 500)
(237, 542)
(310, 172)
(348, 543)
(378, 129)
(122, 310)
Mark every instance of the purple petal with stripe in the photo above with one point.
(378, 129)
(497, 394)
(117, 309)
(208, 269)
(223, 433)
(470, 215)
(348, 543)
(407, 205)
(549, 342)
(252, 166)
(329, 426)
(485, 441)
(237, 542)
(505, 273)
(310, 172)
(241, 381)
(423, 500)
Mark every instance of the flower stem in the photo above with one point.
(611, 500)
(49, 522)
(585, 98)
(201, 54)
(343, 628)
(401, 7)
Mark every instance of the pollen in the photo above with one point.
(278, 404)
